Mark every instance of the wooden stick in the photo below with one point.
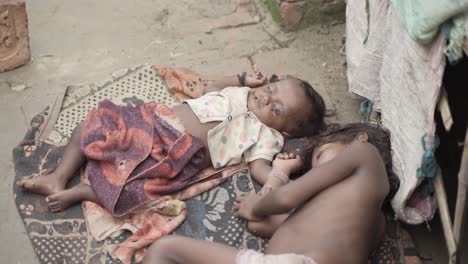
(445, 217)
(461, 209)
(465, 46)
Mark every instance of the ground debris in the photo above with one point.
(19, 87)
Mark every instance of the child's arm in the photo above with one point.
(251, 80)
(255, 207)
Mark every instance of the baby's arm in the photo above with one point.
(283, 166)
(222, 83)
(259, 170)
(250, 80)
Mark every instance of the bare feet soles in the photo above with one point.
(50, 185)
(46, 184)
(62, 200)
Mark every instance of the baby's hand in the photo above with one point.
(255, 80)
(287, 162)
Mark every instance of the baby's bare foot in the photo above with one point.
(62, 200)
(45, 184)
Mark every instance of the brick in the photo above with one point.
(291, 12)
(14, 39)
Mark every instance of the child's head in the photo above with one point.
(290, 106)
(337, 137)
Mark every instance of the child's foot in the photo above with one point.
(62, 200)
(46, 184)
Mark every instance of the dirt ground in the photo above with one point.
(76, 42)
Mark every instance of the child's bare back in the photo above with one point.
(344, 222)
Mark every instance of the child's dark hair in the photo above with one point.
(378, 137)
(315, 122)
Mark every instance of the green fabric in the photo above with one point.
(454, 50)
(366, 108)
(429, 166)
(422, 19)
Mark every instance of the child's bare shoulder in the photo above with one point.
(372, 169)
(365, 151)
(364, 147)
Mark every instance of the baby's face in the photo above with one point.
(280, 105)
(326, 152)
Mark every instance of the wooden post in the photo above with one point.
(445, 217)
(461, 210)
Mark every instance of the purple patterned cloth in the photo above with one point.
(135, 156)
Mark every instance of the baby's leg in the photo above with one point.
(267, 227)
(176, 249)
(60, 201)
(71, 160)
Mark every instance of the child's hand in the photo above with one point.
(287, 162)
(269, 188)
(266, 189)
(255, 80)
(272, 183)
(244, 207)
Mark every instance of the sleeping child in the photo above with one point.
(330, 215)
(138, 154)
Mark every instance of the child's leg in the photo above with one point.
(267, 227)
(71, 160)
(175, 249)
